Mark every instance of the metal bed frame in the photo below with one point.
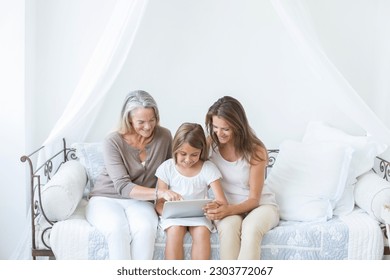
(38, 177)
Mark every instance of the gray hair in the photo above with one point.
(134, 100)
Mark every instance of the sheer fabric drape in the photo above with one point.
(104, 66)
(100, 73)
(112, 51)
(297, 22)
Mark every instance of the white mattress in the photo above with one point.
(356, 236)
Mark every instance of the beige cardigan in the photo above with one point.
(123, 169)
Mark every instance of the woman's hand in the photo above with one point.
(216, 210)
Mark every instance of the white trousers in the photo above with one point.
(129, 226)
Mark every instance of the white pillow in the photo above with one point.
(372, 192)
(366, 149)
(90, 156)
(308, 178)
(346, 203)
(62, 194)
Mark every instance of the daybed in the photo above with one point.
(331, 191)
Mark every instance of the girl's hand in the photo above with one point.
(165, 195)
(211, 205)
(169, 195)
(216, 210)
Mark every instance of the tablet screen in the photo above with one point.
(184, 208)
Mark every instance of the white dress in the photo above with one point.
(195, 187)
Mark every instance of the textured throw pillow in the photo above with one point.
(365, 147)
(90, 156)
(308, 178)
(61, 195)
(372, 192)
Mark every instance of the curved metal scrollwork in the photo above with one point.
(71, 154)
(272, 154)
(45, 236)
(39, 175)
(48, 169)
(36, 208)
(382, 168)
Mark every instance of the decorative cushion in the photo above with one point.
(62, 194)
(372, 192)
(346, 203)
(90, 156)
(308, 179)
(366, 149)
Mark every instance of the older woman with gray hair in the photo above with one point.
(121, 203)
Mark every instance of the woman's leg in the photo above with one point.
(108, 216)
(201, 247)
(257, 223)
(143, 222)
(174, 243)
(229, 231)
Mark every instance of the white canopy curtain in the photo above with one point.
(104, 66)
(298, 24)
(100, 73)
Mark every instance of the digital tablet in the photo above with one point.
(184, 208)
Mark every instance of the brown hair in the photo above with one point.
(246, 142)
(193, 134)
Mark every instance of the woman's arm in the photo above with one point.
(256, 182)
(161, 186)
(115, 166)
(116, 169)
(145, 193)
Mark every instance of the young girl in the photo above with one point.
(190, 174)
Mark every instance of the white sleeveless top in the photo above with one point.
(235, 180)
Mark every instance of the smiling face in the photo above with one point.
(144, 121)
(222, 130)
(187, 156)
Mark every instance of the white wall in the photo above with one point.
(62, 35)
(12, 124)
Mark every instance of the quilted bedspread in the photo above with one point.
(355, 236)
